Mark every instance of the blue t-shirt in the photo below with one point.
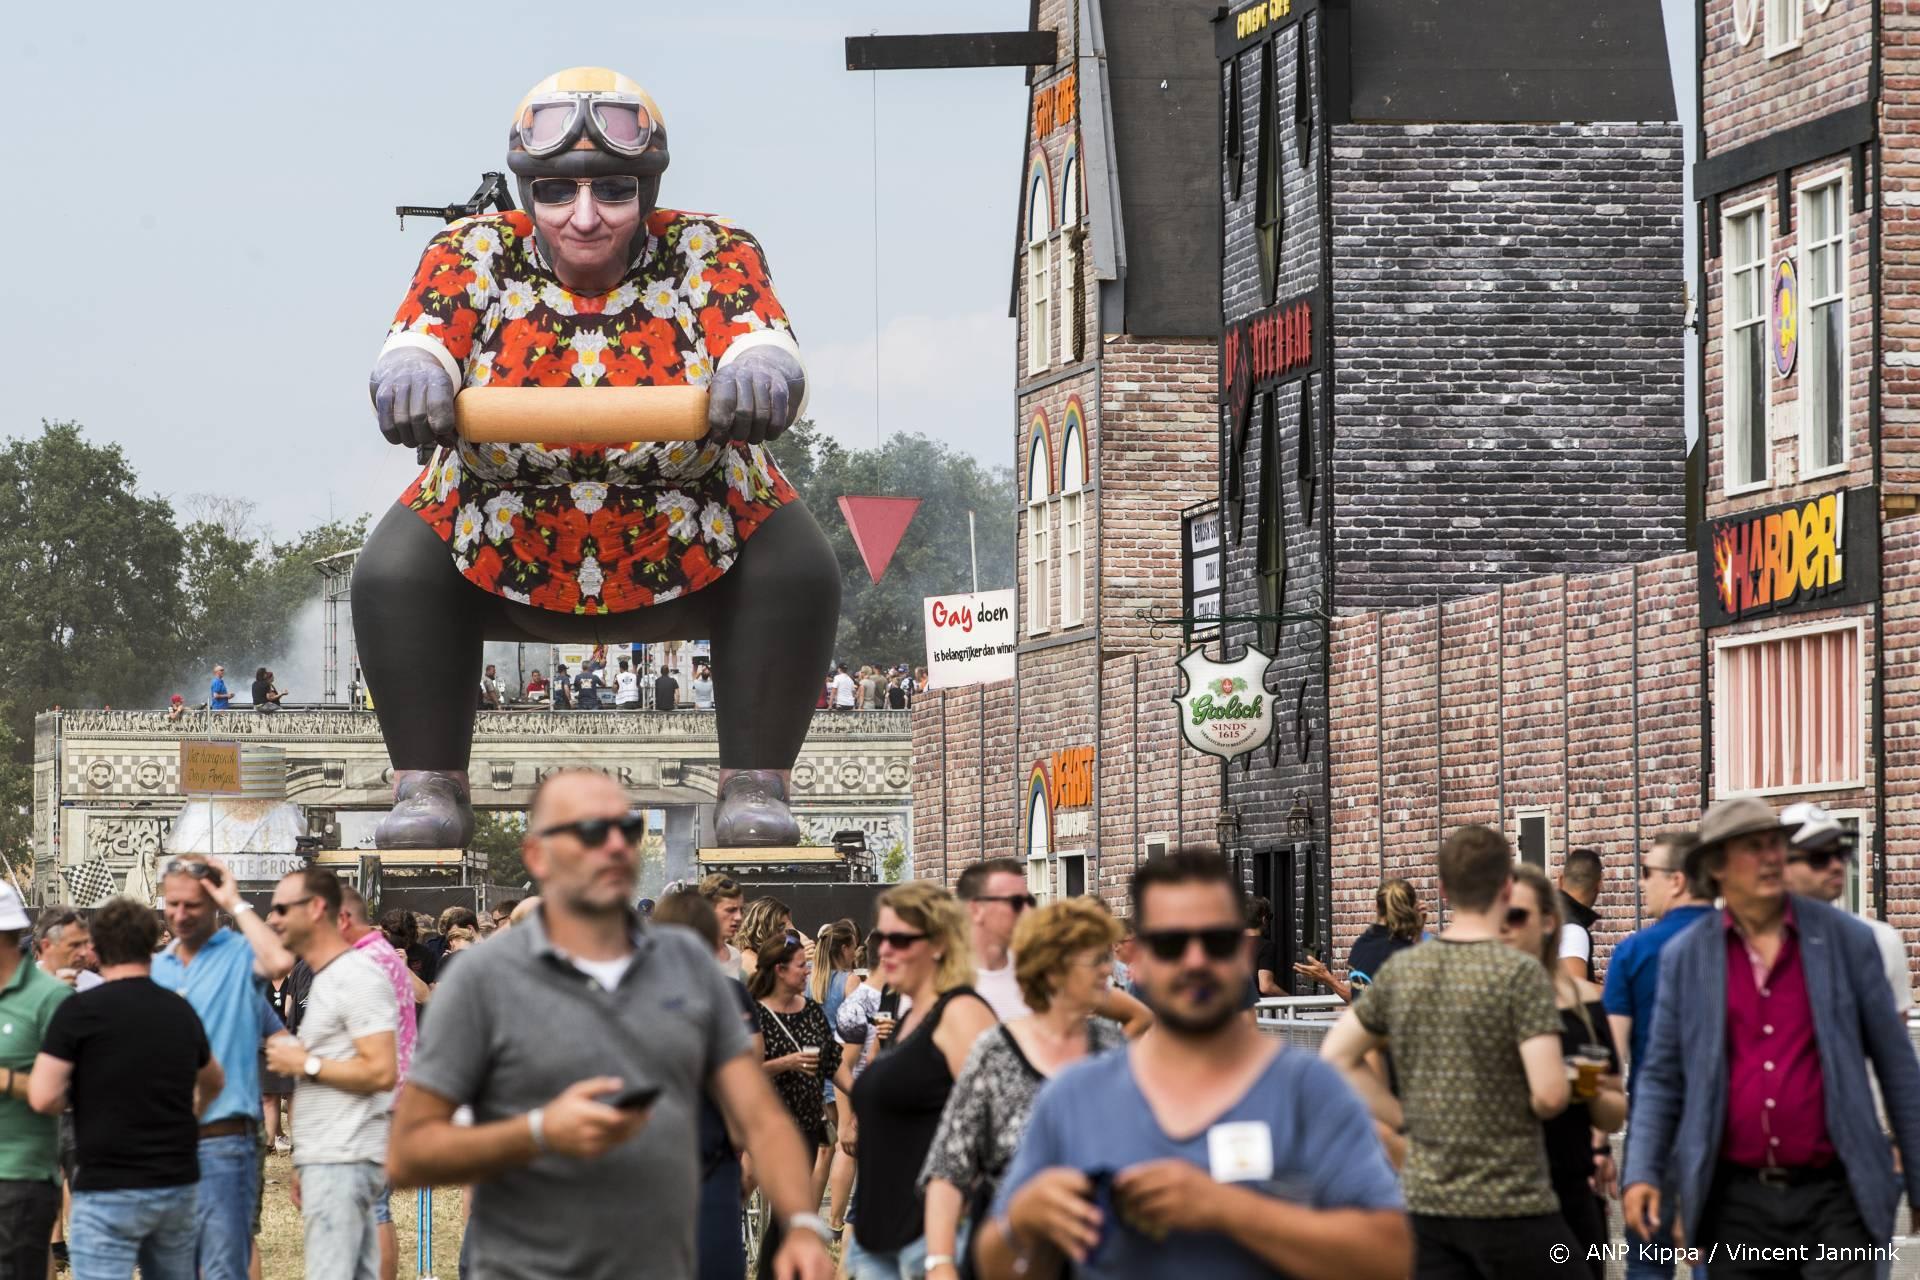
(223, 989)
(220, 700)
(1093, 1117)
(1633, 978)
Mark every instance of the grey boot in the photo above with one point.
(430, 811)
(753, 812)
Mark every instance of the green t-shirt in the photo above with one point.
(1455, 1014)
(29, 1142)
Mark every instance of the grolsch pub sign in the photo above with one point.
(1226, 710)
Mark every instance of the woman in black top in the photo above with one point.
(924, 954)
(265, 696)
(801, 1053)
(1533, 925)
(1397, 924)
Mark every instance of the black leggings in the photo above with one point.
(419, 626)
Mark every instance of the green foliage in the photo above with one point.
(893, 864)
(497, 833)
(883, 622)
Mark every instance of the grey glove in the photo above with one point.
(413, 398)
(754, 398)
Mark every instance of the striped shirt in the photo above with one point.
(351, 999)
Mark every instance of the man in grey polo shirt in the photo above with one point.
(540, 1029)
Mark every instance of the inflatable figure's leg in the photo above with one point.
(773, 624)
(419, 627)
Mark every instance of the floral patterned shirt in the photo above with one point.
(593, 528)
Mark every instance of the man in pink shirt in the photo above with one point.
(408, 991)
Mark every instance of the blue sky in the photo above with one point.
(209, 258)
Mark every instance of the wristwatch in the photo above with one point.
(811, 1222)
(311, 1069)
(242, 905)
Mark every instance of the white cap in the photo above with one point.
(1810, 826)
(13, 915)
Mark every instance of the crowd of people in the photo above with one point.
(872, 688)
(978, 1085)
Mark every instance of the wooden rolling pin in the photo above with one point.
(580, 415)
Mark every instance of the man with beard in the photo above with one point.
(1279, 1170)
(585, 1039)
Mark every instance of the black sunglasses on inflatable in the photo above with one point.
(1171, 944)
(618, 188)
(593, 832)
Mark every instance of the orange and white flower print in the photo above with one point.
(593, 528)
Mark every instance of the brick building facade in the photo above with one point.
(1076, 766)
(1491, 389)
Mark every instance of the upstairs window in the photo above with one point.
(1789, 712)
(1269, 213)
(1072, 317)
(1744, 350)
(1823, 328)
(1039, 542)
(1073, 562)
(1783, 25)
(1272, 560)
(1039, 286)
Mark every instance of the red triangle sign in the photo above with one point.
(877, 525)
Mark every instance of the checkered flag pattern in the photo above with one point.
(90, 883)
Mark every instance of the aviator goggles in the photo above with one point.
(618, 122)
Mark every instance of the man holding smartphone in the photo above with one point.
(546, 1030)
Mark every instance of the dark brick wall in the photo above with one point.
(1509, 394)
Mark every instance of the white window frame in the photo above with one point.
(1722, 731)
(1069, 260)
(1073, 568)
(1804, 193)
(1545, 814)
(1039, 274)
(1060, 874)
(1785, 22)
(1744, 30)
(1156, 844)
(1860, 880)
(1039, 567)
(1759, 208)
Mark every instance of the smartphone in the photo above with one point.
(635, 1097)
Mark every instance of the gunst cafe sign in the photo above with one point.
(1815, 554)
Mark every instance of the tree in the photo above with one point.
(497, 834)
(882, 622)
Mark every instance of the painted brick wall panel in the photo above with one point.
(1507, 308)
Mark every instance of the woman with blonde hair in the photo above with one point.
(764, 920)
(924, 954)
(1599, 1099)
(1063, 961)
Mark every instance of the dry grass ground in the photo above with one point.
(281, 1246)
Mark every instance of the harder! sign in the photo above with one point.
(970, 638)
(1226, 710)
(1805, 555)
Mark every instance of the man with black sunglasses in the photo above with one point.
(585, 1039)
(995, 891)
(1819, 864)
(1277, 1169)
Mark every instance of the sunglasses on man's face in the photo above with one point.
(1172, 944)
(619, 188)
(1018, 901)
(593, 832)
(1821, 859)
(1655, 869)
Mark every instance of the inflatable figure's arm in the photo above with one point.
(759, 384)
(420, 368)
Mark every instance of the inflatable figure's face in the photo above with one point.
(589, 238)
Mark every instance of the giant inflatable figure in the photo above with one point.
(591, 287)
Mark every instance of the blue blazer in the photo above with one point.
(1680, 1107)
